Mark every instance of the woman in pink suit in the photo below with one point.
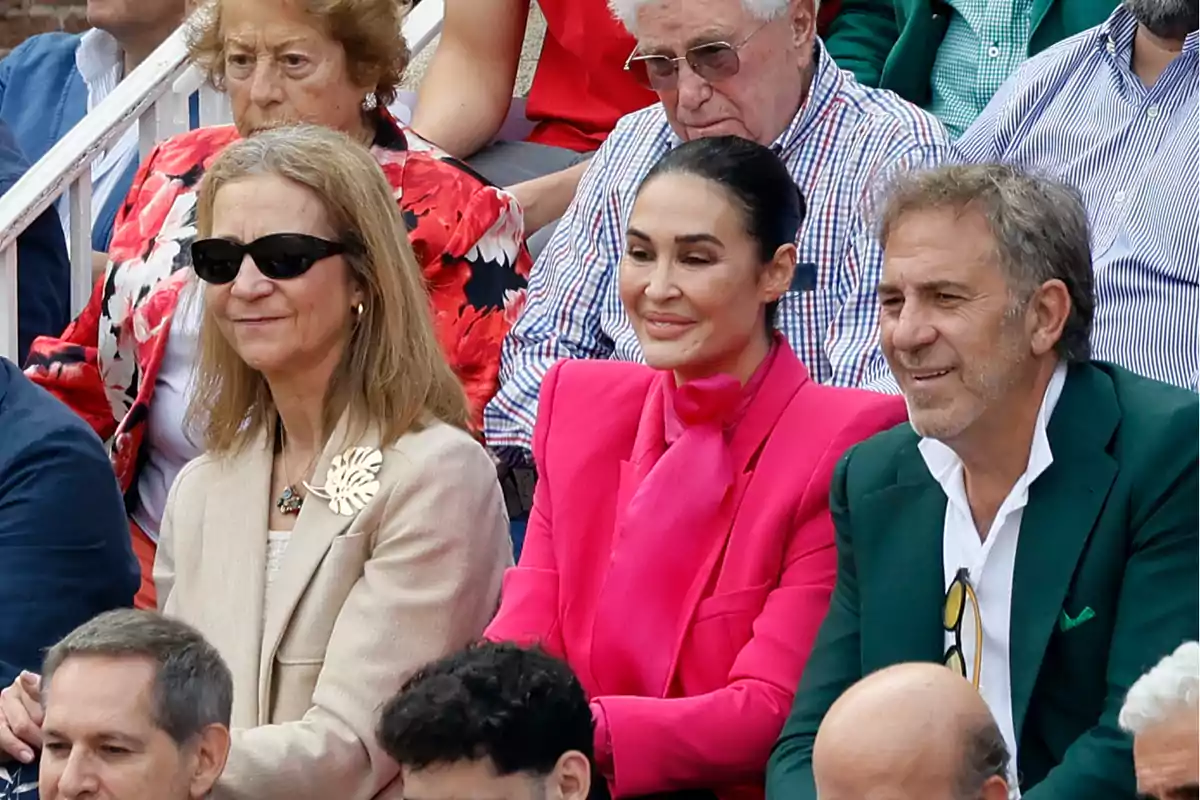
(680, 553)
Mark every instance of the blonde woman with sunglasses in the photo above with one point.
(343, 528)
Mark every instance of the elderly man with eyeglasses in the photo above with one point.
(753, 68)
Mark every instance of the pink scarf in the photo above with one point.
(666, 532)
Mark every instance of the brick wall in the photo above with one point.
(20, 19)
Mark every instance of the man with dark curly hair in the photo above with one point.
(493, 722)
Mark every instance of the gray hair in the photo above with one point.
(193, 687)
(1039, 225)
(1172, 686)
(985, 755)
(766, 10)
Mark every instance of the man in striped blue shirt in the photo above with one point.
(1113, 111)
(756, 69)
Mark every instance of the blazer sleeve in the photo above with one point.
(725, 736)
(833, 666)
(433, 578)
(64, 543)
(861, 37)
(529, 605)
(164, 552)
(1157, 610)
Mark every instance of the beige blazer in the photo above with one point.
(358, 604)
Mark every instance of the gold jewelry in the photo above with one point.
(350, 482)
(290, 500)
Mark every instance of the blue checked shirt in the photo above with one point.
(842, 147)
(1077, 112)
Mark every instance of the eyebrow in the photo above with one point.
(706, 36)
(710, 36)
(930, 286)
(687, 238)
(249, 44)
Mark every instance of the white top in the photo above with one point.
(277, 542)
(101, 64)
(990, 561)
(168, 446)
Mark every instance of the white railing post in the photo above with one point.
(422, 24)
(8, 301)
(80, 245)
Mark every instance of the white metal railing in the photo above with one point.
(155, 97)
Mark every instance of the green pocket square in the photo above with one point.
(1066, 622)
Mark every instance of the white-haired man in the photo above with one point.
(1162, 712)
(753, 68)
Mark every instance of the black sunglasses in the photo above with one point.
(714, 61)
(278, 256)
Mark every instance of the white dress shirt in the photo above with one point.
(101, 64)
(990, 561)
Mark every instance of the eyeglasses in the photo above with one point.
(953, 611)
(278, 256)
(713, 62)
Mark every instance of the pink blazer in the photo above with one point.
(752, 604)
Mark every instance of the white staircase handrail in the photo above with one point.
(73, 155)
(422, 24)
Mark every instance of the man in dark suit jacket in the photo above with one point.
(43, 269)
(65, 554)
(1035, 527)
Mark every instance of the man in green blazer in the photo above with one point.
(1035, 526)
(896, 44)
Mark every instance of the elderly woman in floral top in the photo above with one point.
(125, 364)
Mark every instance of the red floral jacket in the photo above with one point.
(467, 235)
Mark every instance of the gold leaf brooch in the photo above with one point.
(350, 482)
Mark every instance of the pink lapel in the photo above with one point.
(678, 565)
(648, 446)
(786, 376)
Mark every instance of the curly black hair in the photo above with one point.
(517, 706)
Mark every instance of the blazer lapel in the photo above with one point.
(648, 446)
(1064, 503)
(1036, 15)
(235, 531)
(316, 527)
(903, 526)
(785, 378)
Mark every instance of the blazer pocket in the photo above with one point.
(307, 635)
(721, 627)
(739, 601)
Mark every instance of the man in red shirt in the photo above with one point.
(579, 91)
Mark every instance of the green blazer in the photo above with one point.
(892, 43)
(1111, 527)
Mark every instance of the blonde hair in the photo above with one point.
(369, 31)
(392, 371)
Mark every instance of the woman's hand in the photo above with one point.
(21, 717)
